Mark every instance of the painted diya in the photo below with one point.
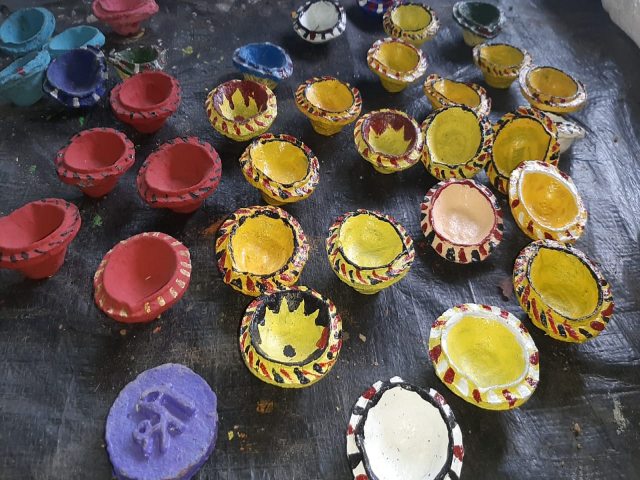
(376, 7)
(134, 60)
(318, 21)
(75, 37)
(462, 220)
(26, 30)
(398, 430)
(396, 62)
(480, 21)
(264, 63)
(568, 131)
(369, 251)
(562, 290)
(500, 63)
(388, 139)
(21, 80)
(550, 89)
(485, 355)
(443, 92)
(261, 249)
(414, 22)
(124, 16)
(283, 168)
(142, 277)
(328, 103)
(290, 338)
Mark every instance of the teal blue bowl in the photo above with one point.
(75, 37)
(26, 30)
(21, 81)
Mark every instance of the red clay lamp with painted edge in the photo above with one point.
(124, 16)
(444, 92)
(414, 22)
(396, 62)
(500, 63)
(551, 89)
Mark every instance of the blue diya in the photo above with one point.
(376, 7)
(75, 37)
(21, 81)
(264, 63)
(26, 30)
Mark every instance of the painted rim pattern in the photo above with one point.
(376, 7)
(438, 100)
(384, 71)
(325, 116)
(414, 36)
(502, 72)
(127, 68)
(552, 103)
(475, 28)
(319, 36)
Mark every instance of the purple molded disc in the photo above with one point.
(162, 426)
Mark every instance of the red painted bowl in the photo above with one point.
(124, 16)
(34, 238)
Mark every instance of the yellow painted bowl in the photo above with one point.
(329, 103)
(290, 338)
(283, 168)
(552, 90)
(443, 92)
(500, 63)
(457, 142)
(396, 62)
(562, 291)
(261, 249)
(414, 22)
(369, 251)
(388, 139)
(485, 355)
(545, 203)
(241, 109)
(525, 134)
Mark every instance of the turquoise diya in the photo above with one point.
(21, 81)
(135, 60)
(480, 21)
(75, 37)
(26, 30)
(264, 63)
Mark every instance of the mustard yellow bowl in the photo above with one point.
(552, 90)
(443, 92)
(500, 63)
(396, 62)
(414, 22)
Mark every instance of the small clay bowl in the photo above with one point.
(568, 131)
(260, 249)
(319, 21)
(396, 62)
(290, 338)
(444, 92)
(264, 63)
(485, 355)
(283, 168)
(133, 60)
(35, 237)
(500, 63)
(328, 103)
(180, 175)
(399, 430)
(376, 8)
(241, 109)
(480, 21)
(562, 290)
(124, 16)
(552, 90)
(414, 22)
(525, 134)
(369, 251)
(73, 38)
(141, 277)
(94, 160)
(21, 81)
(146, 100)
(390, 140)
(26, 30)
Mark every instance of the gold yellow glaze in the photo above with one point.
(501, 55)
(330, 95)
(397, 56)
(548, 200)
(552, 82)
(389, 142)
(454, 136)
(519, 140)
(262, 245)
(369, 242)
(281, 161)
(237, 109)
(457, 92)
(411, 17)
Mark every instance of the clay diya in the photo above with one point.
(462, 220)
(26, 30)
(94, 160)
(319, 21)
(21, 80)
(290, 338)
(75, 37)
(264, 63)
(388, 139)
(376, 7)
(525, 134)
(163, 425)
(241, 109)
(261, 249)
(141, 277)
(552, 90)
(414, 22)
(480, 21)
(398, 430)
(35, 237)
(180, 175)
(146, 100)
(133, 60)
(283, 168)
(124, 16)
(369, 251)
(500, 63)
(328, 103)
(568, 131)
(485, 355)
(396, 62)
(443, 92)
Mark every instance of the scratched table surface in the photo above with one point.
(62, 362)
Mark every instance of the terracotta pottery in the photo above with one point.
(500, 63)
(75, 37)
(552, 90)
(94, 160)
(141, 277)
(35, 237)
(21, 80)
(133, 60)
(369, 251)
(461, 220)
(388, 139)
(485, 355)
(26, 30)
(525, 134)
(319, 21)
(260, 249)
(291, 338)
(376, 7)
(180, 175)
(562, 290)
(328, 103)
(264, 63)
(283, 168)
(398, 430)
(480, 21)
(568, 131)
(444, 92)
(396, 62)
(414, 22)
(241, 109)
(124, 16)
(146, 100)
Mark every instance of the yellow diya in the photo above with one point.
(443, 92)
(500, 63)
(552, 90)
(414, 22)
(396, 62)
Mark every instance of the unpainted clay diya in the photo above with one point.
(180, 175)
(124, 16)
(290, 338)
(162, 426)
(318, 21)
(260, 249)
(75, 37)
(376, 7)
(480, 21)
(369, 251)
(133, 60)
(461, 220)
(500, 63)
(264, 63)
(485, 355)
(396, 62)
(414, 22)
(26, 30)
(444, 92)
(552, 90)
(568, 131)
(141, 277)
(283, 168)
(35, 237)
(21, 80)
(400, 431)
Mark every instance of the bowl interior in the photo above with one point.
(502, 55)
(76, 72)
(457, 92)
(263, 54)
(481, 13)
(548, 199)
(178, 168)
(71, 38)
(240, 100)
(330, 95)
(29, 224)
(552, 81)
(389, 133)
(411, 17)
(519, 140)
(23, 26)
(454, 136)
(397, 56)
(120, 5)
(94, 151)
(139, 55)
(369, 241)
(281, 161)
(320, 16)
(146, 91)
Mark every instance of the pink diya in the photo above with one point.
(141, 277)
(34, 238)
(180, 175)
(146, 100)
(124, 16)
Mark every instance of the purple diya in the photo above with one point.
(162, 426)
(124, 16)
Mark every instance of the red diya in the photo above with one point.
(124, 16)
(141, 277)
(34, 238)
